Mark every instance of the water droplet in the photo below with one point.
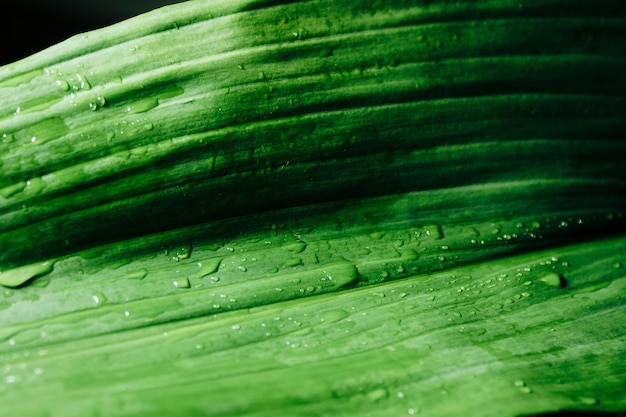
(43, 131)
(378, 394)
(208, 266)
(98, 298)
(434, 230)
(589, 400)
(35, 186)
(553, 280)
(182, 252)
(295, 247)
(18, 276)
(182, 283)
(78, 82)
(147, 103)
(292, 262)
(62, 85)
(332, 316)
(97, 103)
(235, 327)
(10, 190)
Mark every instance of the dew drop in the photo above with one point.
(553, 280)
(434, 230)
(62, 85)
(98, 298)
(589, 400)
(208, 266)
(79, 82)
(292, 262)
(182, 283)
(183, 252)
(18, 276)
(295, 247)
(97, 103)
(378, 394)
(332, 316)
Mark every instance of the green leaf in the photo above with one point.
(318, 208)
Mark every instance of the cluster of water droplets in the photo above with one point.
(73, 83)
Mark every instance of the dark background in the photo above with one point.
(29, 26)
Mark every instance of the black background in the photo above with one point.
(32, 25)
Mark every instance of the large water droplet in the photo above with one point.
(62, 85)
(332, 316)
(146, 103)
(11, 190)
(43, 131)
(18, 276)
(295, 247)
(292, 262)
(434, 230)
(208, 266)
(553, 280)
(182, 283)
